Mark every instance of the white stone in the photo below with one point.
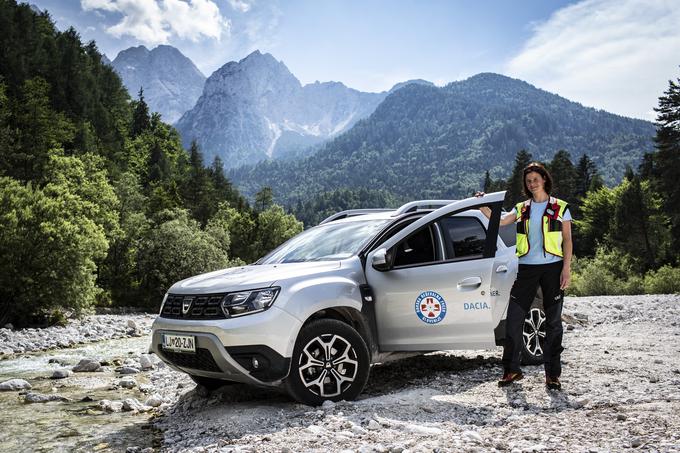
(40, 398)
(472, 436)
(87, 365)
(111, 406)
(145, 363)
(373, 425)
(61, 374)
(127, 383)
(423, 430)
(154, 400)
(14, 384)
(131, 404)
(128, 370)
(315, 429)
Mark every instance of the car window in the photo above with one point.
(465, 237)
(328, 242)
(416, 249)
(509, 234)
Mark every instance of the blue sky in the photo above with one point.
(617, 55)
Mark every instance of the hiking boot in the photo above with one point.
(553, 383)
(509, 377)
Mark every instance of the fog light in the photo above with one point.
(256, 363)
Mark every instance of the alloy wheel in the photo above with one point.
(328, 365)
(534, 331)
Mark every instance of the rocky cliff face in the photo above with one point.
(171, 81)
(256, 109)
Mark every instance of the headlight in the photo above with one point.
(163, 303)
(248, 302)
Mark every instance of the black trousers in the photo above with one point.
(529, 277)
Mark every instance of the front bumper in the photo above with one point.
(225, 348)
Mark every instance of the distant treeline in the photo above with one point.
(99, 202)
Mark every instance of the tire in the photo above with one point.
(533, 334)
(330, 362)
(209, 383)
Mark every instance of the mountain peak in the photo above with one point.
(171, 81)
(133, 52)
(410, 82)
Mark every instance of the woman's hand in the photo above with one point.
(485, 209)
(565, 278)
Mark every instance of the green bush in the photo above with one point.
(49, 247)
(174, 249)
(665, 280)
(608, 273)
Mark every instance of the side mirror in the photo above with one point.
(380, 260)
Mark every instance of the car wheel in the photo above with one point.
(210, 383)
(330, 362)
(533, 333)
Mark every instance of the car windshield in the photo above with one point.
(334, 241)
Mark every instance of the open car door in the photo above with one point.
(432, 280)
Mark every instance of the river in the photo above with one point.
(80, 424)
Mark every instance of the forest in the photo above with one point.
(101, 206)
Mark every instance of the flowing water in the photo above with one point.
(76, 425)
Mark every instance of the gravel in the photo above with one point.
(87, 330)
(620, 391)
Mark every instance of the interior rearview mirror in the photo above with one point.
(380, 260)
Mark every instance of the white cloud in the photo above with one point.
(610, 54)
(240, 5)
(156, 21)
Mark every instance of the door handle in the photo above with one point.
(501, 268)
(470, 283)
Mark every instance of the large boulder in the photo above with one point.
(14, 384)
(87, 365)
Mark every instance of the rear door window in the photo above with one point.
(464, 237)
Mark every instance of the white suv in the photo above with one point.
(363, 287)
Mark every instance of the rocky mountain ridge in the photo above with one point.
(426, 142)
(256, 109)
(171, 81)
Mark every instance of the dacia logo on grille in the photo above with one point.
(186, 304)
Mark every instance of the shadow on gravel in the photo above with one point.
(402, 390)
(140, 434)
(421, 370)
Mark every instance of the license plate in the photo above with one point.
(180, 343)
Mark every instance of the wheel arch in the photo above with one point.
(352, 317)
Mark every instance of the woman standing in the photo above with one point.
(544, 249)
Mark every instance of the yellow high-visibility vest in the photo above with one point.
(552, 226)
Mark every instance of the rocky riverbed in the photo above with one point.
(621, 392)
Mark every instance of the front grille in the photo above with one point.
(202, 307)
(201, 360)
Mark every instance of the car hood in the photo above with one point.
(249, 277)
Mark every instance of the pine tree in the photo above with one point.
(666, 160)
(488, 182)
(564, 179)
(515, 185)
(587, 177)
(198, 190)
(141, 120)
(264, 199)
(644, 234)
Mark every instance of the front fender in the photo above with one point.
(307, 297)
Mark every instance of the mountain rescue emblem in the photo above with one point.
(430, 307)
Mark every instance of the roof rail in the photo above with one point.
(352, 213)
(422, 204)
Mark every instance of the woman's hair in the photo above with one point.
(540, 169)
